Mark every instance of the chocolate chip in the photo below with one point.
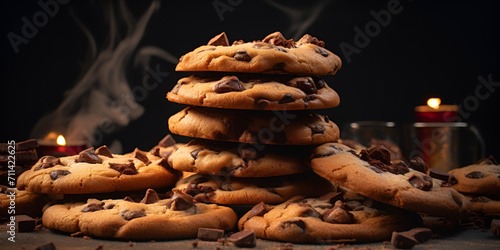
(418, 164)
(308, 211)
(422, 182)
(124, 168)
(210, 234)
(242, 55)
(150, 197)
(104, 151)
(248, 154)
(219, 40)
(495, 227)
(89, 156)
(439, 174)
(278, 39)
(399, 168)
(309, 39)
(321, 52)
(47, 162)
(258, 210)
(320, 83)
(194, 189)
(244, 238)
(261, 103)
(110, 206)
(281, 49)
(228, 84)
(307, 85)
(141, 156)
(129, 215)
(195, 153)
(180, 202)
(401, 240)
(453, 180)
(54, 175)
(156, 152)
(317, 129)
(93, 205)
(331, 197)
(339, 214)
(298, 223)
(475, 175)
(286, 99)
(127, 198)
(167, 141)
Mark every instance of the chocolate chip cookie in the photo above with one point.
(249, 126)
(176, 217)
(238, 159)
(481, 178)
(25, 202)
(98, 171)
(254, 91)
(273, 55)
(330, 218)
(371, 173)
(249, 191)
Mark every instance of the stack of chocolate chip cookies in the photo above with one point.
(250, 113)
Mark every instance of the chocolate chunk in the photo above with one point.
(475, 175)
(141, 156)
(127, 198)
(331, 197)
(261, 103)
(418, 164)
(422, 182)
(298, 223)
(490, 160)
(194, 189)
(54, 175)
(242, 55)
(307, 85)
(309, 39)
(104, 150)
(124, 168)
(399, 168)
(401, 240)
(93, 205)
(180, 201)
(48, 246)
(150, 197)
(219, 40)
(129, 215)
(339, 214)
(22, 157)
(453, 180)
(167, 141)
(495, 227)
(111, 205)
(89, 156)
(320, 83)
(25, 223)
(244, 238)
(156, 152)
(317, 129)
(47, 162)
(308, 211)
(195, 153)
(439, 174)
(248, 154)
(228, 84)
(210, 234)
(321, 52)
(258, 210)
(286, 99)
(278, 39)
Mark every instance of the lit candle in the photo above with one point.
(435, 112)
(59, 148)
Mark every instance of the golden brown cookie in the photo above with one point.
(254, 91)
(13, 201)
(151, 219)
(244, 191)
(238, 159)
(373, 175)
(98, 171)
(330, 218)
(249, 126)
(481, 178)
(273, 55)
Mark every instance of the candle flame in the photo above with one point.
(61, 141)
(434, 103)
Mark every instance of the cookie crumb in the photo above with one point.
(87, 237)
(99, 247)
(77, 234)
(131, 243)
(287, 246)
(194, 244)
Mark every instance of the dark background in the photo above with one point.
(427, 49)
